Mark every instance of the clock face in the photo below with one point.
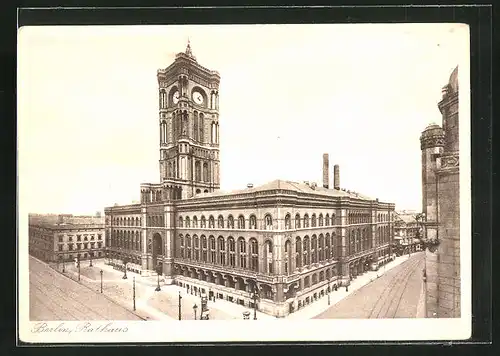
(198, 98)
(175, 97)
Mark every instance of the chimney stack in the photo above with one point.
(336, 177)
(325, 170)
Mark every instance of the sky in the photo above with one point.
(88, 131)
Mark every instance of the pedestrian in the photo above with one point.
(347, 288)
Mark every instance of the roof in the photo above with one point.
(66, 226)
(280, 184)
(407, 218)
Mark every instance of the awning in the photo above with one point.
(398, 238)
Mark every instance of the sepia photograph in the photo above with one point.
(278, 182)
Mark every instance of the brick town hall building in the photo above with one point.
(289, 243)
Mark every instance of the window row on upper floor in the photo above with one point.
(126, 221)
(267, 222)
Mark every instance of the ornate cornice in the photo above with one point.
(449, 161)
(431, 141)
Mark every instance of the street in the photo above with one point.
(150, 304)
(394, 294)
(55, 297)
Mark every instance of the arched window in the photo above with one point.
(288, 256)
(268, 220)
(313, 220)
(253, 222)
(288, 222)
(211, 222)
(203, 222)
(188, 246)
(254, 255)
(188, 222)
(205, 172)
(195, 126)
(195, 221)
(333, 219)
(327, 247)
(297, 221)
(197, 168)
(196, 241)
(327, 219)
(221, 249)
(241, 222)
(201, 137)
(230, 222)
(320, 220)
(242, 251)
(307, 251)
(268, 256)
(203, 248)
(163, 99)
(220, 222)
(181, 244)
(213, 252)
(314, 249)
(321, 248)
(232, 256)
(306, 221)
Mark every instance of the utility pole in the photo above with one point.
(78, 261)
(101, 280)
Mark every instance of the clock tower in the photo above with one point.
(189, 127)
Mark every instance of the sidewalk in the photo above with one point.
(232, 309)
(321, 305)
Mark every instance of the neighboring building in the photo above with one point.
(441, 206)
(406, 232)
(289, 242)
(54, 238)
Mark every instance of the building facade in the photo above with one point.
(281, 245)
(57, 238)
(406, 232)
(441, 206)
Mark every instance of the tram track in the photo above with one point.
(387, 304)
(58, 295)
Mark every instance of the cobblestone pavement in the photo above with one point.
(394, 294)
(55, 297)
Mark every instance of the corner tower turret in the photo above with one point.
(431, 144)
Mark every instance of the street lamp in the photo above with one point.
(133, 290)
(180, 305)
(329, 290)
(158, 270)
(64, 263)
(125, 261)
(254, 297)
(90, 254)
(78, 264)
(101, 280)
(195, 307)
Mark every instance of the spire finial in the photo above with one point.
(188, 48)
